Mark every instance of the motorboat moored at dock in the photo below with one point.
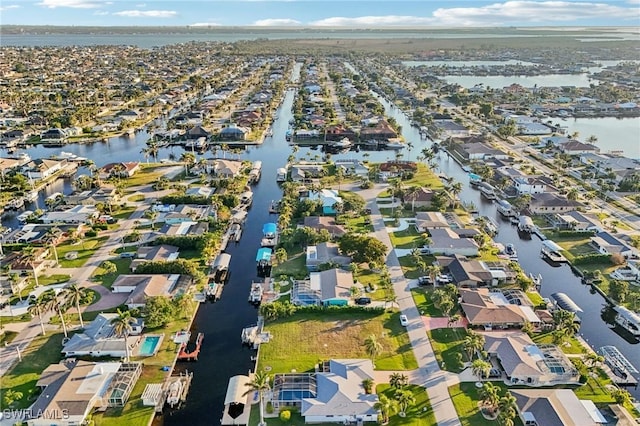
(269, 235)
(628, 320)
(255, 295)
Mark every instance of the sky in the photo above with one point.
(322, 13)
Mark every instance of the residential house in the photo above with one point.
(448, 129)
(143, 286)
(497, 309)
(606, 243)
(233, 133)
(16, 263)
(573, 147)
(556, 407)
(327, 288)
(329, 198)
(379, 131)
(72, 389)
(548, 202)
(451, 242)
(303, 172)
(339, 132)
(121, 170)
(325, 253)
(533, 184)
(226, 168)
(75, 215)
(130, 115)
(576, 221)
(184, 228)
(392, 169)
(528, 364)
(54, 136)
(200, 191)
(42, 168)
(159, 253)
(197, 132)
(480, 151)
(421, 198)
(468, 272)
(104, 194)
(325, 222)
(353, 167)
(430, 220)
(98, 339)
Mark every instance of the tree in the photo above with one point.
(158, 311)
(621, 396)
(122, 326)
(76, 295)
(373, 346)
(38, 307)
(473, 343)
(619, 290)
(53, 302)
(109, 267)
(151, 214)
(281, 255)
(51, 237)
(480, 368)
(398, 380)
(508, 409)
(490, 396)
(11, 396)
(30, 255)
(367, 384)
(188, 159)
(405, 399)
(362, 248)
(386, 407)
(261, 383)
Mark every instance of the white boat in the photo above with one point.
(505, 208)
(394, 144)
(525, 224)
(22, 218)
(510, 251)
(342, 143)
(255, 295)
(31, 196)
(487, 191)
(246, 198)
(15, 204)
(628, 320)
(174, 393)
(281, 175)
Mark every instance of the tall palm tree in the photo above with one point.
(56, 302)
(30, 255)
(38, 307)
(75, 295)
(261, 383)
(122, 326)
(508, 409)
(480, 368)
(373, 346)
(386, 407)
(398, 380)
(188, 159)
(405, 399)
(51, 237)
(490, 395)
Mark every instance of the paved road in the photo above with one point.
(428, 374)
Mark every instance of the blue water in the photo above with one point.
(295, 395)
(149, 345)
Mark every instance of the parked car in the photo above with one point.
(127, 254)
(363, 301)
(444, 279)
(494, 372)
(404, 321)
(425, 280)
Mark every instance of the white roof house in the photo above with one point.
(76, 214)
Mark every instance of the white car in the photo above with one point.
(404, 321)
(444, 279)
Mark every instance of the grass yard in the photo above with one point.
(465, 397)
(295, 266)
(136, 197)
(84, 251)
(7, 337)
(320, 336)
(596, 388)
(420, 414)
(42, 351)
(124, 212)
(571, 345)
(360, 224)
(296, 418)
(407, 239)
(389, 212)
(53, 279)
(107, 280)
(424, 177)
(148, 173)
(367, 277)
(422, 299)
(535, 298)
(409, 269)
(447, 343)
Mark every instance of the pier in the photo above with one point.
(620, 370)
(185, 355)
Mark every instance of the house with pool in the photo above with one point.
(100, 340)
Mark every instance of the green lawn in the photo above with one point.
(409, 268)
(333, 334)
(42, 351)
(407, 239)
(124, 212)
(424, 177)
(446, 343)
(295, 266)
(146, 175)
(296, 418)
(53, 279)
(422, 299)
(357, 224)
(7, 336)
(571, 346)
(420, 414)
(535, 298)
(367, 277)
(465, 397)
(107, 280)
(84, 251)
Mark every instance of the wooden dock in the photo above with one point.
(184, 355)
(618, 368)
(185, 380)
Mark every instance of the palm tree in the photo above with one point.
(480, 368)
(188, 159)
(261, 384)
(75, 295)
(398, 380)
(30, 255)
(405, 399)
(52, 302)
(373, 346)
(52, 236)
(122, 326)
(508, 407)
(411, 193)
(473, 343)
(38, 307)
(490, 396)
(386, 407)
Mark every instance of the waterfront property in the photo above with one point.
(142, 286)
(497, 309)
(555, 407)
(99, 339)
(324, 253)
(334, 393)
(328, 288)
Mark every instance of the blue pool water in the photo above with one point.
(295, 395)
(149, 345)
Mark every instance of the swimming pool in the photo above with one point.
(149, 345)
(295, 395)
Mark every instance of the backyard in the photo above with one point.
(447, 343)
(75, 255)
(406, 239)
(107, 280)
(335, 334)
(465, 397)
(419, 414)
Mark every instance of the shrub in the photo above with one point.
(269, 407)
(617, 259)
(91, 234)
(285, 415)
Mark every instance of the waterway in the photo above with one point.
(614, 134)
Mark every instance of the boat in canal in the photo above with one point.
(263, 260)
(505, 208)
(487, 190)
(174, 393)
(24, 216)
(552, 251)
(246, 198)
(628, 320)
(269, 235)
(254, 174)
(510, 251)
(341, 144)
(237, 405)
(255, 295)
(525, 224)
(281, 174)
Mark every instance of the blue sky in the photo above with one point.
(322, 13)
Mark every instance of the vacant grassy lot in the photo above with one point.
(107, 280)
(320, 336)
(84, 250)
(447, 343)
(424, 303)
(420, 414)
(465, 397)
(42, 351)
(409, 268)
(53, 279)
(295, 266)
(407, 239)
(147, 174)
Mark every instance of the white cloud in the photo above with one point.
(75, 4)
(276, 22)
(496, 14)
(100, 13)
(11, 6)
(147, 13)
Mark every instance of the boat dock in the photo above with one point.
(254, 335)
(621, 371)
(237, 401)
(185, 355)
(156, 394)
